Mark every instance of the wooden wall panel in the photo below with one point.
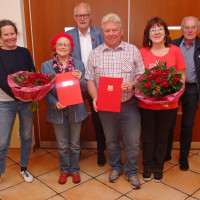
(49, 17)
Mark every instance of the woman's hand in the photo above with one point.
(59, 106)
(77, 74)
(127, 87)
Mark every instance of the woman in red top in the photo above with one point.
(156, 119)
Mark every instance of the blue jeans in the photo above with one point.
(68, 135)
(8, 111)
(128, 121)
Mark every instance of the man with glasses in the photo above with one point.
(190, 47)
(85, 39)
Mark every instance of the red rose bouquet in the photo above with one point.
(160, 84)
(31, 86)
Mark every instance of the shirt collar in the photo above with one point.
(191, 44)
(87, 33)
(121, 46)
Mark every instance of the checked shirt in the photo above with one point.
(124, 62)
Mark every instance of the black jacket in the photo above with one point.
(178, 41)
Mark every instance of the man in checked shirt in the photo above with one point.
(115, 58)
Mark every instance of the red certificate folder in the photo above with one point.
(68, 89)
(109, 94)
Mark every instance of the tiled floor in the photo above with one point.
(44, 165)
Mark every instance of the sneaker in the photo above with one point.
(157, 176)
(114, 176)
(63, 178)
(134, 182)
(184, 166)
(76, 178)
(146, 175)
(27, 176)
(101, 160)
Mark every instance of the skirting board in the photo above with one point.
(93, 144)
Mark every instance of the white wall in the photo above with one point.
(14, 11)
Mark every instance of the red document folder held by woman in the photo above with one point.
(68, 89)
(109, 94)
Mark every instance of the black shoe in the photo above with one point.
(184, 166)
(101, 160)
(146, 175)
(157, 176)
(167, 158)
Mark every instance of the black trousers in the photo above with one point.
(155, 130)
(101, 145)
(189, 101)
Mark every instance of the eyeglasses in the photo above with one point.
(65, 45)
(85, 16)
(153, 30)
(187, 28)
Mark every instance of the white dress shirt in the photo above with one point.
(86, 45)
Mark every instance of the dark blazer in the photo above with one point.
(196, 57)
(96, 37)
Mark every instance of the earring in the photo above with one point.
(149, 42)
(165, 40)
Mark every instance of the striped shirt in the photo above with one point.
(124, 62)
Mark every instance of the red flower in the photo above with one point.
(158, 80)
(148, 85)
(165, 83)
(165, 73)
(93, 39)
(150, 76)
(175, 78)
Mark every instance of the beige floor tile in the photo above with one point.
(57, 197)
(51, 179)
(122, 185)
(9, 162)
(14, 154)
(89, 166)
(50, 150)
(156, 191)
(55, 153)
(36, 153)
(28, 191)
(91, 190)
(194, 151)
(197, 194)
(11, 177)
(124, 198)
(185, 181)
(176, 155)
(85, 153)
(43, 164)
(194, 163)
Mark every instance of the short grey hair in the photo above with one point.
(82, 4)
(111, 17)
(189, 17)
